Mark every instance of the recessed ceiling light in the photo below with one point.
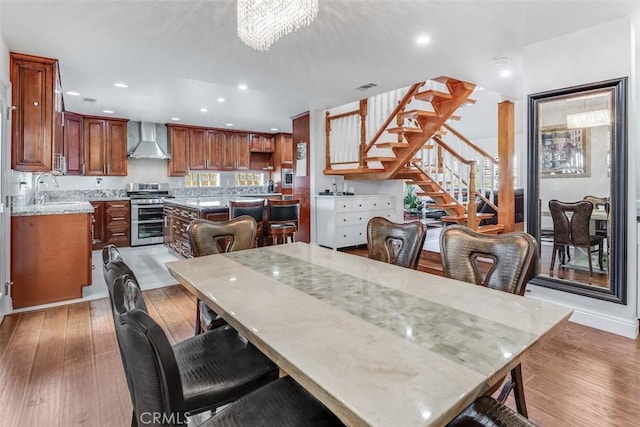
(203, 110)
(72, 93)
(242, 86)
(478, 89)
(176, 119)
(274, 129)
(221, 99)
(121, 85)
(108, 111)
(506, 73)
(422, 40)
(228, 124)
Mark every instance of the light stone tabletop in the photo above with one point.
(378, 344)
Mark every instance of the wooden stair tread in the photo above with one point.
(453, 218)
(454, 117)
(490, 229)
(431, 193)
(392, 145)
(433, 95)
(404, 129)
(413, 114)
(352, 171)
(381, 159)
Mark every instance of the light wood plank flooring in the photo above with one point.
(61, 367)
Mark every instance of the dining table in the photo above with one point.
(378, 344)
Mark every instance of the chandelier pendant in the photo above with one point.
(262, 22)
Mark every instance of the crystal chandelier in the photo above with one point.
(262, 22)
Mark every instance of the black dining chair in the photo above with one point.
(207, 371)
(505, 262)
(282, 220)
(168, 383)
(393, 243)
(210, 238)
(571, 228)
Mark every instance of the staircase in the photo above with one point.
(418, 146)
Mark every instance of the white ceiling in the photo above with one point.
(179, 56)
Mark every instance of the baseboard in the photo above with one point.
(5, 306)
(624, 327)
(616, 325)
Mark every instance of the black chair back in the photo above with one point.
(399, 244)
(254, 209)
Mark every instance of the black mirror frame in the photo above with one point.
(617, 291)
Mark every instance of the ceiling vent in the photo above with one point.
(90, 100)
(367, 86)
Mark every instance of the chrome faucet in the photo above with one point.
(38, 180)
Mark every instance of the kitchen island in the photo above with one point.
(180, 212)
(50, 252)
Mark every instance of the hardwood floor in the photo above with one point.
(61, 367)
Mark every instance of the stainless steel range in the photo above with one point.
(146, 212)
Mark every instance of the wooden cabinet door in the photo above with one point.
(32, 120)
(256, 143)
(95, 141)
(98, 225)
(116, 148)
(179, 149)
(213, 151)
(269, 144)
(198, 149)
(241, 145)
(227, 153)
(287, 149)
(72, 147)
(262, 143)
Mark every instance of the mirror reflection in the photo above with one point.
(577, 136)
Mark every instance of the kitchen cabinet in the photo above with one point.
(36, 119)
(203, 150)
(234, 150)
(286, 147)
(112, 223)
(342, 220)
(262, 143)
(179, 150)
(105, 146)
(73, 132)
(50, 258)
(176, 220)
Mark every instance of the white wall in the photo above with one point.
(593, 54)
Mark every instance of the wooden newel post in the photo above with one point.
(472, 221)
(506, 151)
(363, 133)
(327, 152)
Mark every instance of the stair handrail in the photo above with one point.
(403, 103)
(453, 152)
(470, 144)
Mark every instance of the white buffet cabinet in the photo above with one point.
(342, 220)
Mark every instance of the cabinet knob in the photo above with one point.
(36, 103)
(344, 219)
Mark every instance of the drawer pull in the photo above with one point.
(344, 219)
(344, 235)
(360, 218)
(118, 206)
(360, 205)
(375, 204)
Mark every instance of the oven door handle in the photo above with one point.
(147, 221)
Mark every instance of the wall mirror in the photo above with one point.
(577, 188)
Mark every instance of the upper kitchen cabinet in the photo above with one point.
(234, 150)
(37, 116)
(262, 143)
(284, 147)
(105, 146)
(73, 147)
(179, 138)
(203, 149)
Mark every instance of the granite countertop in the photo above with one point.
(53, 208)
(212, 203)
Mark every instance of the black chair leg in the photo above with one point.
(553, 259)
(600, 252)
(198, 325)
(134, 420)
(518, 390)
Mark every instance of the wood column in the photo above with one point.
(506, 151)
(302, 184)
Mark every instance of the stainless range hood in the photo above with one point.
(148, 147)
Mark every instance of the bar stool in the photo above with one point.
(282, 220)
(253, 208)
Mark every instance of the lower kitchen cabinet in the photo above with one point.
(50, 258)
(176, 220)
(342, 220)
(112, 223)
